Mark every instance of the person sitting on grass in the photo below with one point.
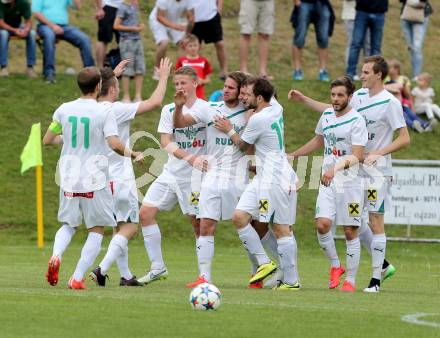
(423, 97)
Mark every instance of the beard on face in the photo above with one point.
(342, 106)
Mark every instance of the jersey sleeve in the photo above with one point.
(161, 4)
(204, 115)
(319, 129)
(394, 115)
(359, 133)
(26, 10)
(179, 63)
(252, 131)
(166, 125)
(110, 125)
(125, 111)
(208, 68)
(37, 6)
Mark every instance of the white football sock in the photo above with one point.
(122, 262)
(353, 256)
(252, 243)
(254, 263)
(327, 243)
(365, 235)
(378, 248)
(153, 245)
(62, 240)
(287, 252)
(117, 246)
(89, 252)
(269, 242)
(205, 254)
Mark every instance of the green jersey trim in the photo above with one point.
(328, 113)
(230, 116)
(374, 104)
(362, 93)
(339, 124)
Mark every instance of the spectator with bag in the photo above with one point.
(11, 13)
(414, 20)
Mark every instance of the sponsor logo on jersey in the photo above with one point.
(354, 209)
(190, 132)
(191, 144)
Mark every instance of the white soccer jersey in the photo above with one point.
(83, 165)
(174, 9)
(192, 139)
(223, 156)
(383, 114)
(340, 134)
(120, 167)
(265, 130)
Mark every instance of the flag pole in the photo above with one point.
(39, 188)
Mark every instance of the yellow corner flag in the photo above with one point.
(31, 157)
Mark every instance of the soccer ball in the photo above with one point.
(205, 297)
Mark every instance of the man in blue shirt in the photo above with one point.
(53, 24)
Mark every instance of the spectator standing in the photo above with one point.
(256, 15)
(415, 32)
(370, 15)
(208, 28)
(199, 63)
(11, 14)
(423, 95)
(131, 47)
(348, 15)
(105, 14)
(167, 23)
(320, 13)
(53, 17)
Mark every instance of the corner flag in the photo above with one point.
(31, 157)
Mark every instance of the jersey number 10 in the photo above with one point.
(86, 122)
(279, 128)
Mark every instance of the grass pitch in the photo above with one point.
(31, 308)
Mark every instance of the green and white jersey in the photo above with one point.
(383, 114)
(83, 164)
(223, 156)
(192, 139)
(121, 167)
(265, 130)
(340, 134)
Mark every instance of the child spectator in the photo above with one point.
(400, 86)
(423, 97)
(200, 64)
(130, 45)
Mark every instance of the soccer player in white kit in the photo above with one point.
(86, 127)
(178, 183)
(121, 174)
(342, 132)
(271, 196)
(227, 175)
(383, 116)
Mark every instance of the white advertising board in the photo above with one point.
(415, 196)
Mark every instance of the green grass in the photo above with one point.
(31, 308)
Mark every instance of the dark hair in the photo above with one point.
(344, 81)
(108, 80)
(88, 79)
(239, 78)
(261, 87)
(186, 70)
(379, 65)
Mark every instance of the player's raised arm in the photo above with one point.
(179, 119)
(155, 100)
(314, 144)
(167, 143)
(296, 95)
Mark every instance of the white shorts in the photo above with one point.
(378, 194)
(162, 33)
(96, 208)
(126, 206)
(256, 16)
(271, 203)
(164, 193)
(342, 207)
(218, 199)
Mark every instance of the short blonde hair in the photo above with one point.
(425, 76)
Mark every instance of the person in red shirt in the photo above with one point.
(199, 63)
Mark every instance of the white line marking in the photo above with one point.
(414, 319)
